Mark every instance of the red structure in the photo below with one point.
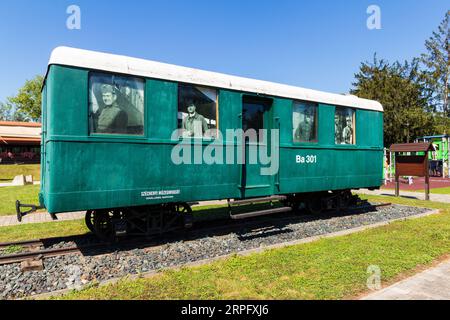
(20, 142)
(419, 184)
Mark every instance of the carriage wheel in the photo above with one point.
(345, 199)
(314, 205)
(298, 206)
(184, 211)
(89, 219)
(104, 222)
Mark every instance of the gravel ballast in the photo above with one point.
(73, 271)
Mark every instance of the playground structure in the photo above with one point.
(439, 159)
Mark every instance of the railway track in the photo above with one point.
(36, 255)
(202, 228)
(28, 243)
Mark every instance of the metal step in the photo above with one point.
(260, 213)
(256, 200)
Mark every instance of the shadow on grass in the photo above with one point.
(401, 196)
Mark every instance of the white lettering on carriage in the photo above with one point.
(309, 159)
(161, 194)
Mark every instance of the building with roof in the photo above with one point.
(20, 142)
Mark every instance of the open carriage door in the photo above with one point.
(256, 115)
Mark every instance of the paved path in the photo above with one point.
(45, 217)
(432, 284)
(39, 218)
(407, 194)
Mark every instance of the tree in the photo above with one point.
(437, 67)
(27, 103)
(441, 124)
(5, 112)
(9, 113)
(399, 89)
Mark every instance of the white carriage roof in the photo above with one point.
(151, 69)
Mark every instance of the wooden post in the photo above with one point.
(427, 178)
(397, 179)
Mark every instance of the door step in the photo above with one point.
(256, 200)
(251, 214)
(260, 213)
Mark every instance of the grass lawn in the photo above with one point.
(9, 195)
(333, 268)
(8, 172)
(42, 230)
(445, 190)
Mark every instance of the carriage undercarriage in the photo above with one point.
(157, 220)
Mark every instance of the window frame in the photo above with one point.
(316, 120)
(217, 90)
(125, 136)
(353, 144)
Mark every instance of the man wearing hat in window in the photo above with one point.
(194, 124)
(347, 132)
(305, 130)
(112, 119)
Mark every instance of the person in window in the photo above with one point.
(112, 119)
(347, 133)
(194, 125)
(305, 129)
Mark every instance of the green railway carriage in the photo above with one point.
(111, 125)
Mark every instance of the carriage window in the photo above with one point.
(344, 122)
(304, 118)
(116, 104)
(197, 112)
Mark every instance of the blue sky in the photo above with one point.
(314, 44)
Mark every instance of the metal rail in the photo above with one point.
(47, 253)
(37, 255)
(27, 243)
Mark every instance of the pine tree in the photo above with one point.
(398, 88)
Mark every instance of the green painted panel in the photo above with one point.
(282, 112)
(230, 109)
(162, 108)
(68, 101)
(369, 128)
(326, 125)
(43, 189)
(329, 169)
(116, 173)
